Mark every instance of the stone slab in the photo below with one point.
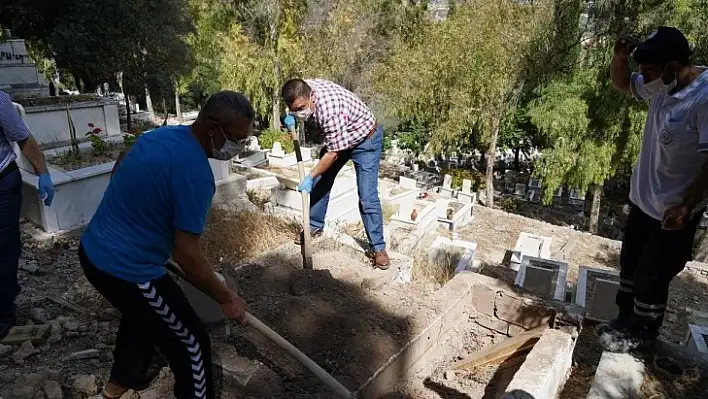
(245, 375)
(544, 277)
(407, 183)
(19, 334)
(696, 343)
(545, 369)
(447, 192)
(618, 376)
(603, 305)
(585, 289)
(208, 309)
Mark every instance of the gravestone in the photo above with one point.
(539, 280)
(520, 190)
(594, 285)
(406, 183)
(18, 75)
(447, 181)
(533, 245)
(416, 167)
(603, 306)
(252, 144)
(277, 149)
(544, 277)
(405, 210)
(466, 186)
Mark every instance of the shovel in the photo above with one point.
(318, 371)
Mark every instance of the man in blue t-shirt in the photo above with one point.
(156, 207)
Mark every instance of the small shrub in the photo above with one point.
(257, 198)
(270, 136)
(509, 204)
(98, 145)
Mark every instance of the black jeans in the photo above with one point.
(156, 313)
(650, 259)
(10, 245)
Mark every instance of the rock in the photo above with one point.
(26, 350)
(449, 375)
(22, 391)
(5, 350)
(84, 354)
(29, 266)
(39, 315)
(108, 314)
(373, 283)
(70, 324)
(85, 384)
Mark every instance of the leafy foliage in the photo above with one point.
(270, 136)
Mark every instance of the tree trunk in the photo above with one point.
(595, 209)
(148, 102)
(275, 112)
(129, 123)
(164, 108)
(491, 152)
(178, 108)
(517, 163)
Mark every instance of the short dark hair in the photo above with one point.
(227, 106)
(295, 88)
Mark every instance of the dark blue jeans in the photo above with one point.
(10, 245)
(367, 159)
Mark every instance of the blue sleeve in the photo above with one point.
(192, 200)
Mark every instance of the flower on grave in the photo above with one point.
(97, 130)
(91, 125)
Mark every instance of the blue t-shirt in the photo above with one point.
(163, 182)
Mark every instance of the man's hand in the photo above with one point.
(289, 122)
(624, 47)
(306, 185)
(235, 308)
(46, 188)
(677, 216)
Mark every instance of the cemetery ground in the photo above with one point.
(348, 317)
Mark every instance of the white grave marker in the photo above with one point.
(407, 183)
(447, 182)
(466, 186)
(533, 245)
(277, 149)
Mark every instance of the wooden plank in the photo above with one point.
(19, 334)
(503, 350)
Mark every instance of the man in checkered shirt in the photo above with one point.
(14, 130)
(350, 133)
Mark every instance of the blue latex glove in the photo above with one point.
(46, 188)
(307, 184)
(289, 121)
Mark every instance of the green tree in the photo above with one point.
(462, 74)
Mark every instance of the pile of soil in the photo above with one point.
(346, 316)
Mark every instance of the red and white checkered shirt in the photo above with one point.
(344, 119)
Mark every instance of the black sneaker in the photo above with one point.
(301, 236)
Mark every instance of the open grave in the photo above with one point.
(381, 338)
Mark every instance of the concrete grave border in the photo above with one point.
(696, 341)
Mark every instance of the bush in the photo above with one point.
(270, 136)
(478, 178)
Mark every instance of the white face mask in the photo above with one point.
(657, 86)
(303, 113)
(229, 150)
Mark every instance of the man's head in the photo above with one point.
(224, 124)
(298, 97)
(665, 54)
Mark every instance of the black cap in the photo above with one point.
(662, 46)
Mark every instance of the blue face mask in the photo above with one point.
(229, 150)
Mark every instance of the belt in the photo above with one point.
(12, 166)
(373, 130)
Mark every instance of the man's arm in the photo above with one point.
(619, 69)
(324, 163)
(188, 254)
(30, 149)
